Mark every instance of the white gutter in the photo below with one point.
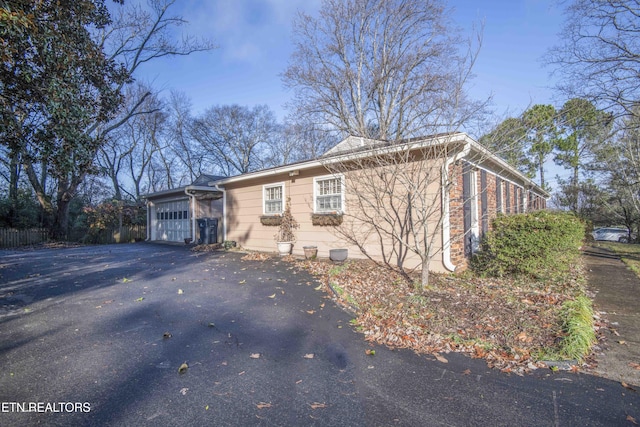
(192, 203)
(224, 211)
(446, 223)
(385, 149)
(148, 221)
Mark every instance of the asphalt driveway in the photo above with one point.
(107, 327)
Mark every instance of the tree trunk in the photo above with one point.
(424, 278)
(14, 175)
(61, 220)
(43, 198)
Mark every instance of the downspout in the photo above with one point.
(224, 211)
(192, 203)
(446, 223)
(148, 221)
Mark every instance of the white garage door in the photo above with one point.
(172, 221)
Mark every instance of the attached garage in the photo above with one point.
(173, 215)
(172, 221)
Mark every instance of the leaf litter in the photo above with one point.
(507, 322)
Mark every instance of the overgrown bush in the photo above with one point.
(542, 245)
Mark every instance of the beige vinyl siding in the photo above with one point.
(245, 206)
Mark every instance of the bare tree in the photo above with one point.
(379, 69)
(126, 151)
(306, 140)
(136, 36)
(178, 132)
(237, 138)
(599, 56)
(385, 71)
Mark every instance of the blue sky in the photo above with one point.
(255, 43)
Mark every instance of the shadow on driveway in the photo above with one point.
(263, 346)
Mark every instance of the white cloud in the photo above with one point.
(246, 30)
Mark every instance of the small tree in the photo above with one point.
(288, 225)
(387, 70)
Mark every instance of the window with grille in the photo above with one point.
(273, 197)
(329, 193)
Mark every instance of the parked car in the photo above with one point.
(612, 234)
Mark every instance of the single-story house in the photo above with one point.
(175, 215)
(462, 183)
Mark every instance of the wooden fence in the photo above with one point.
(12, 238)
(126, 234)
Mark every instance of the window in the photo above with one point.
(329, 194)
(273, 195)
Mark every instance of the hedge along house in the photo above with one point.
(173, 215)
(382, 200)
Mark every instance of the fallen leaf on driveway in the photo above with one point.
(317, 405)
(272, 296)
(467, 372)
(622, 342)
(317, 288)
(183, 368)
(440, 358)
(632, 420)
(308, 356)
(242, 282)
(140, 299)
(627, 386)
(263, 405)
(125, 280)
(255, 355)
(310, 311)
(370, 352)
(634, 365)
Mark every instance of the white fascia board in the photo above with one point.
(486, 154)
(200, 188)
(389, 149)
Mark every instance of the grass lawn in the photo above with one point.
(630, 253)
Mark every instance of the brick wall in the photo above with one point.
(456, 220)
(514, 204)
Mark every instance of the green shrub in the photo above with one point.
(542, 245)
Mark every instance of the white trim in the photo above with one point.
(284, 198)
(446, 212)
(342, 191)
(459, 138)
(475, 223)
(500, 208)
(496, 174)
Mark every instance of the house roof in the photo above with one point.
(199, 184)
(352, 148)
